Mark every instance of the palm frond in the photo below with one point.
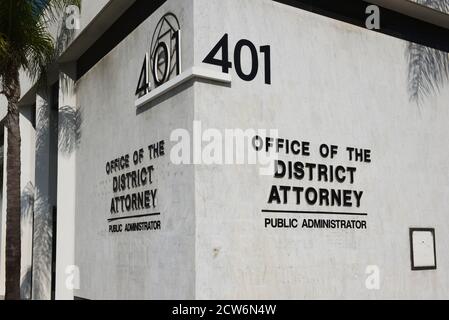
(39, 52)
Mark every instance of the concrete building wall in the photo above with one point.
(89, 9)
(43, 206)
(3, 220)
(69, 134)
(148, 264)
(332, 83)
(27, 196)
(3, 106)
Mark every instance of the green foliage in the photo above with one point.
(25, 41)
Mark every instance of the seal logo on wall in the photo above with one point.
(163, 61)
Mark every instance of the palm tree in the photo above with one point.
(25, 44)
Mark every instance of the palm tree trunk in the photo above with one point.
(13, 232)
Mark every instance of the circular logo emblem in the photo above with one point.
(165, 49)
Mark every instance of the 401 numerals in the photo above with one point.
(225, 64)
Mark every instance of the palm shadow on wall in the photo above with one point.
(42, 247)
(63, 124)
(428, 68)
(69, 118)
(27, 213)
(68, 134)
